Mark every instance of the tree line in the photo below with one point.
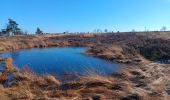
(12, 28)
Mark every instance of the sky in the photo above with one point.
(86, 15)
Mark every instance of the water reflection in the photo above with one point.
(58, 61)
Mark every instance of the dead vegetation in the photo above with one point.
(142, 80)
(122, 47)
(149, 81)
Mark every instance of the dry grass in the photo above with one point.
(143, 81)
(52, 80)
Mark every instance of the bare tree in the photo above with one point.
(99, 31)
(133, 30)
(163, 28)
(105, 30)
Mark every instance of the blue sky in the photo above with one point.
(86, 15)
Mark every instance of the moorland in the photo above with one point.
(143, 78)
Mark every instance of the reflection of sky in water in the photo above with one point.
(60, 60)
(1, 66)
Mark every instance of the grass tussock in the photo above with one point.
(145, 82)
(130, 47)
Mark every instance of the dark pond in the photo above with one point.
(164, 61)
(57, 61)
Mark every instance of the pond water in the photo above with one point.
(163, 61)
(57, 61)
